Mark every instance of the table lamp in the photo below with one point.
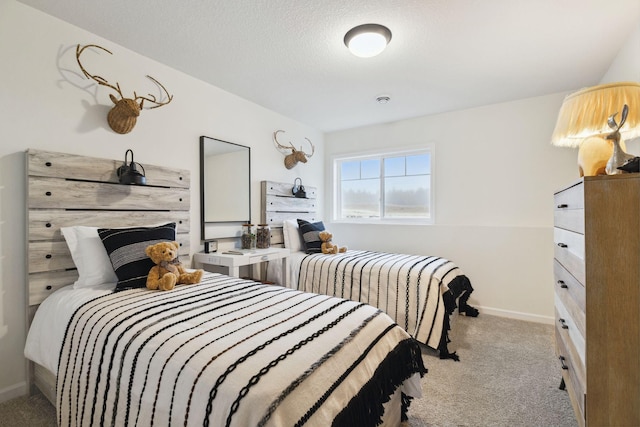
(597, 120)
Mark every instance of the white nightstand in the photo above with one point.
(233, 262)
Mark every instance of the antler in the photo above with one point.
(153, 98)
(280, 146)
(313, 149)
(291, 159)
(122, 117)
(100, 80)
(291, 147)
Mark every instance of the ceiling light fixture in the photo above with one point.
(367, 40)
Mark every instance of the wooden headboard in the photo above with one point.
(279, 204)
(66, 189)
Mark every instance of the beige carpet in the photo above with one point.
(508, 376)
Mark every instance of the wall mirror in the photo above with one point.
(225, 187)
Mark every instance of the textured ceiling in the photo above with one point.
(288, 55)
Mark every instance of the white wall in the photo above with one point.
(496, 173)
(495, 177)
(626, 67)
(45, 104)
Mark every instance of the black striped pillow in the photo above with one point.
(126, 249)
(309, 231)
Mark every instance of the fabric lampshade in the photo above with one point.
(584, 113)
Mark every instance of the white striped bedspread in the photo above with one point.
(409, 288)
(231, 352)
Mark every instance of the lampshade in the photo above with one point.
(367, 40)
(584, 113)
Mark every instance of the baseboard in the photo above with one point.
(13, 391)
(516, 315)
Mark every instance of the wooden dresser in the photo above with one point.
(597, 289)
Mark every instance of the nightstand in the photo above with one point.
(233, 262)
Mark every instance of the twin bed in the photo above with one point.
(418, 292)
(227, 351)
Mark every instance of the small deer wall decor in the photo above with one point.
(124, 114)
(294, 156)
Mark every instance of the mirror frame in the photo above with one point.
(203, 221)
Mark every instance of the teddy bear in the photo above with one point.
(327, 247)
(168, 270)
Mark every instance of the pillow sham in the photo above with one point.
(126, 249)
(310, 233)
(292, 239)
(89, 256)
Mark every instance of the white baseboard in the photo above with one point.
(13, 391)
(516, 315)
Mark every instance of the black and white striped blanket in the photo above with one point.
(230, 352)
(409, 288)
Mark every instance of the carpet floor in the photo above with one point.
(508, 375)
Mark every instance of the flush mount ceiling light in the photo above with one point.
(367, 40)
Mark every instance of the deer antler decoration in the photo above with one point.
(291, 159)
(122, 117)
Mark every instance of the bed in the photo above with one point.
(227, 351)
(418, 292)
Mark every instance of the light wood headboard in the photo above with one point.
(279, 204)
(66, 189)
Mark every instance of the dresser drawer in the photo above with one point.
(568, 211)
(574, 339)
(569, 251)
(570, 198)
(572, 295)
(573, 373)
(569, 219)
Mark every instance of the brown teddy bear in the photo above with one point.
(168, 270)
(327, 247)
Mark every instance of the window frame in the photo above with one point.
(338, 159)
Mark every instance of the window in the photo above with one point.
(384, 187)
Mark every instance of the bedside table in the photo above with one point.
(233, 262)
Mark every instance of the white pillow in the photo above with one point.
(292, 239)
(89, 256)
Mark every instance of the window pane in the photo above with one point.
(394, 166)
(370, 169)
(418, 165)
(350, 170)
(407, 196)
(361, 199)
(403, 186)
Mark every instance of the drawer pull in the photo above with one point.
(562, 359)
(562, 245)
(562, 284)
(563, 206)
(563, 323)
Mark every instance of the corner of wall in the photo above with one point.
(13, 391)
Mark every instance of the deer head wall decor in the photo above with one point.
(123, 116)
(295, 156)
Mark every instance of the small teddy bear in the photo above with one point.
(327, 247)
(168, 270)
